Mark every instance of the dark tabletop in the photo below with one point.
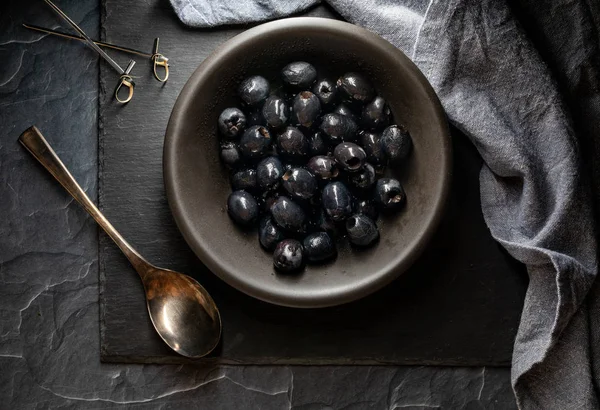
(49, 338)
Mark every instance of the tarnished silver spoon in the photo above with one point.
(182, 311)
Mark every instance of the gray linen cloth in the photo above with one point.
(499, 92)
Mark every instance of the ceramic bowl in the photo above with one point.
(197, 184)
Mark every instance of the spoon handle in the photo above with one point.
(37, 145)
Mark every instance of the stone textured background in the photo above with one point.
(49, 338)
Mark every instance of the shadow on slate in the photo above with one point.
(460, 303)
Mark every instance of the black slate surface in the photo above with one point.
(49, 339)
(459, 305)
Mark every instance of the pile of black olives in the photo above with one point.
(306, 159)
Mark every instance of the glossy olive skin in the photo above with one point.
(269, 172)
(230, 154)
(317, 144)
(396, 143)
(242, 207)
(376, 114)
(355, 88)
(343, 109)
(338, 127)
(231, 122)
(306, 108)
(323, 167)
(349, 156)
(318, 247)
(269, 234)
(389, 194)
(299, 183)
(288, 215)
(361, 230)
(299, 75)
(367, 207)
(288, 256)
(254, 90)
(244, 179)
(326, 90)
(255, 142)
(292, 144)
(371, 143)
(275, 112)
(337, 201)
(364, 178)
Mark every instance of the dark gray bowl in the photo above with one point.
(197, 185)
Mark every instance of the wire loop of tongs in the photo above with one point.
(125, 81)
(160, 60)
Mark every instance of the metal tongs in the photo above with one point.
(158, 59)
(125, 79)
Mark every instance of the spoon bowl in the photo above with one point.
(182, 312)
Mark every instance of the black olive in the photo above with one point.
(349, 156)
(364, 178)
(244, 179)
(242, 207)
(230, 154)
(255, 142)
(305, 109)
(361, 230)
(292, 144)
(269, 234)
(254, 90)
(326, 90)
(318, 247)
(288, 256)
(355, 88)
(371, 143)
(396, 142)
(299, 75)
(338, 127)
(299, 183)
(275, 111)
(337, 201)
(323, 167)
(376, 114)
(268, 173)
(389, 193)
(231, 122)
(288, 215)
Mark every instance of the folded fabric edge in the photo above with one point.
(206, 14)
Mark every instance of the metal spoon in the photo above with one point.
(182, 311)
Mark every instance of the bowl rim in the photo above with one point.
(330, 297)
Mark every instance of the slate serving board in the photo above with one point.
(459, 305)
